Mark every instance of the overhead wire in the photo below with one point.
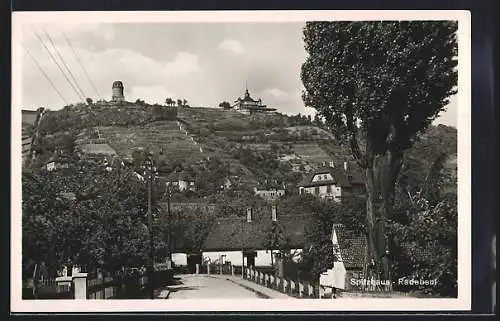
(57, 64)
(82, 65)
(46, 75)
(64, 62)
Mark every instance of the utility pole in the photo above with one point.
(242, 248)
(169, 232)
(149, 169)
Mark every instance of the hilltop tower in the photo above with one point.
(117, 91)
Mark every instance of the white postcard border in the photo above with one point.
(463, 302)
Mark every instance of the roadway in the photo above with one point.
(192, 286)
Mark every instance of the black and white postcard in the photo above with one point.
(241, 161)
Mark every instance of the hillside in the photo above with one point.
(251, 148)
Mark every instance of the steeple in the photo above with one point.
(247, 94)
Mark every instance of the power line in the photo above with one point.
(64, 63)
(81, 65)
(57, 64)
(46, 76)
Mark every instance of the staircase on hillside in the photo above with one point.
(161, 135)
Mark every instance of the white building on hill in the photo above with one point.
(331, 183)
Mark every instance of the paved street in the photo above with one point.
(207, 287)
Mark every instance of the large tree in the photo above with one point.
(378, 85)
(87, 215)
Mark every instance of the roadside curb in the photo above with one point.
(252, 289)
(163, 294)
(264, 296)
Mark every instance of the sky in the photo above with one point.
(204, 63)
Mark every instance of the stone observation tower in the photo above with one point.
(118, 91)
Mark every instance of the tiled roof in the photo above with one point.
(339, 178)
(177, 176)
(352, 246)
(269, 186)
(97, 149)
(234, 233)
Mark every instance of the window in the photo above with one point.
(324, 177)
(316, 190)
(329, 189)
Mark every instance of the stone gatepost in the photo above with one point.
(232, 270)
(197, 268)
(80, 284)
(208, 268)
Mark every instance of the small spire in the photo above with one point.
(247, 94)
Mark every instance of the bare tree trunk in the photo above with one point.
(387, 167)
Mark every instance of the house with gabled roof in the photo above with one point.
(330, 182)
(350, 251)
(57, 161)
(242, 240)
(181, 181)
(270, 190)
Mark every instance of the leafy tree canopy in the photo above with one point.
(377, 85)
(392, 77)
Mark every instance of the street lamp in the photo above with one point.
(150, 171)
(169, 229)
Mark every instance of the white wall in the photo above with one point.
(322, 177)
(233, 256)
(263, 257)
(179, 259)
(183, 185)
(336, 191)
(270, 193)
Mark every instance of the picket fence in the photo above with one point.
(295, 288)
(99, 288)
(48, 289)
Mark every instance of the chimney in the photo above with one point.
(332, 164)
(274, 216)
(249, 215)
(345, 166)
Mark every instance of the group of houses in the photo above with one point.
(241, 241)
(328, 182)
